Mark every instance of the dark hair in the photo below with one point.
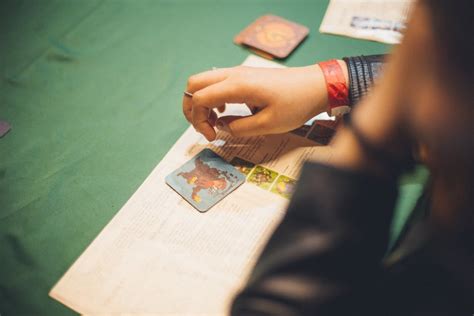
(453, 26)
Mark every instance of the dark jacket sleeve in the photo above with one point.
(363, 74)
(326, 252)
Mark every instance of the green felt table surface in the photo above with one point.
(93, 91)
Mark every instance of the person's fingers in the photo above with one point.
(212, 118)
(187, 108)
(201, 121)
(243, 126)
(253, 109)
(226, 91)
(200, 81)
(217, 95)
(221, 109)
(213, 96)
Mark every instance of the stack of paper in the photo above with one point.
(377, 20)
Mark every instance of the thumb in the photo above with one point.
(243, 126)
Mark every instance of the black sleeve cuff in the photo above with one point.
(363, 72)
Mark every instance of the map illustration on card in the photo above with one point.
(205, 180)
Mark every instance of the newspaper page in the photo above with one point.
(159, 256)
(377, 20)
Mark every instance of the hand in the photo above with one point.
(281, 99)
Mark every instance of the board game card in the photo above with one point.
(263, 177)
(272, 34)
(244, 166)
(205, 180)
(284, 186)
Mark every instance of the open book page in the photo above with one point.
(160, 256)
(377, 20)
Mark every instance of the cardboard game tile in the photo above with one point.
(205, 180)
(273, 35)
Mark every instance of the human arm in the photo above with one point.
(281, 99)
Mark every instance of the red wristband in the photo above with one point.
(338, 94)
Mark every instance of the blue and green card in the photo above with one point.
(205, 180)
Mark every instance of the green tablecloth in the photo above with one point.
(93, 90)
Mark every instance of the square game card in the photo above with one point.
(273, 35)
(205, 180)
